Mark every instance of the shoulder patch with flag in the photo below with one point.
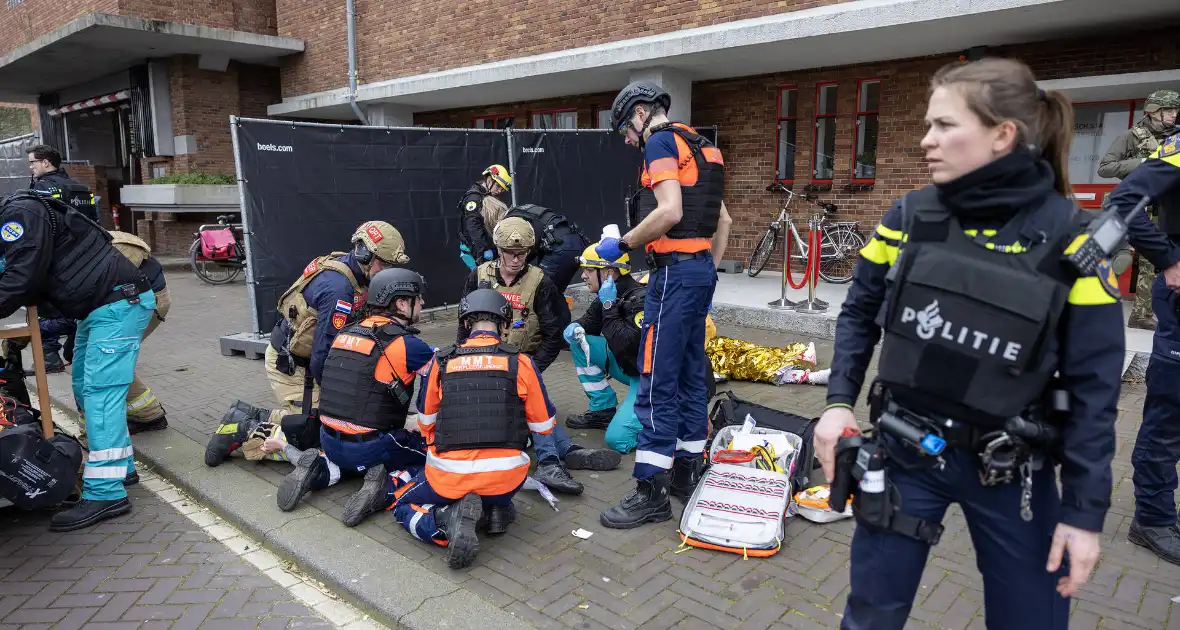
(344, 307)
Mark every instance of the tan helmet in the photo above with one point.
(514, 233)
(382, 240)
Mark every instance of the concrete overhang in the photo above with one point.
(100, 43)
(834, 35)
(1114, 87)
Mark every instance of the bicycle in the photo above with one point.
(218, 253)
(840, 241)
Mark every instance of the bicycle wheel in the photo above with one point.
(762, 253)
(209, 271)
(839, 251)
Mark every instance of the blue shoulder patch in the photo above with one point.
(11, 231)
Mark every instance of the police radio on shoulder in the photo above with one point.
(1104, 236)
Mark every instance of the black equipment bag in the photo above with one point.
(35, 472)
(730, 410)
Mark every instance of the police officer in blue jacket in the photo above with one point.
(993, 344)
(311, 312)
(1157, 448)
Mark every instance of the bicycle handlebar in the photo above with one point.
(829, 208)
(224, 218)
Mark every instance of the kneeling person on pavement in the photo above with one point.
(482, 401)
(366, 393)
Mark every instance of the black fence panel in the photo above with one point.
(307, 188)
(585, 175)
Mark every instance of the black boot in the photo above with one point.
(648, 503)
(234, 430)
(88, 512)
(501, 516)
(590, 419)
(686, 474)
(53, 365)
(1162, 541)
(579, 458)
(371, 498)
(458, 521)
(131, 479)
(553, 474)
(298, 482)
(158, 424)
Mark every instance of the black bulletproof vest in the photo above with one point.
(349, 391)
(480, 407)
(84, 260)
(967, 328)
(546, 224)
(70, 191)
(701, 202)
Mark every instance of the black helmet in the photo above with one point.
(634, 94)
(485, 301)
(388, 284)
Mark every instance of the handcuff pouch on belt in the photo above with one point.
(285, 362)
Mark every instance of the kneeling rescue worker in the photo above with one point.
(475, 229)
(482, 400)
(604, 343)
(999, 362)
(680, 218)
(311, 312)
(367, 390)
(51, 253)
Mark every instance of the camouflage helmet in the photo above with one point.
(514, 233)
(1162, 99)
(381, 240)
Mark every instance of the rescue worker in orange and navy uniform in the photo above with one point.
(481, 402)
(366, 393)
(680, 219)
(475, 235)
(311, 312)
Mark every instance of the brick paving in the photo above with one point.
(153, 568)
(633, 579)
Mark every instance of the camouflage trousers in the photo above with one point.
(1142, 307)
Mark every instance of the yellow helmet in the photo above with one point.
(514, 233)
(591, 260)
(381, 240)
(500, 175)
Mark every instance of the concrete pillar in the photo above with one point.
(389, 115)
(677, 84)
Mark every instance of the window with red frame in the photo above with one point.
(602, 117)
(864, 140)
(494, 121)
(823, 156)
(554, 119)
(787, 132)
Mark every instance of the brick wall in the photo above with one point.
(30, 20)
(171, 234)
(432, 35)
(745, 112)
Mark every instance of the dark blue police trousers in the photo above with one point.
(1157, 448)
(886, 567)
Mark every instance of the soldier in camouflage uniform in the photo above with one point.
(1127, 152)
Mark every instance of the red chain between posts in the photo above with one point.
(811, 271)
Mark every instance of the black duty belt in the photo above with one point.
(129, 291)
(367, 436)
(655, 261)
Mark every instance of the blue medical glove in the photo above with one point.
(609, 249)
(571, 332)
(608, 293)
(487, 255)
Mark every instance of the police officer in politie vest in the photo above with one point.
(679, 217)
(311, 312)
(1157, 448)
(482, 400)
(51, 253)
(366, 392)
(559, 241)
(475, 244)
(1000, 361)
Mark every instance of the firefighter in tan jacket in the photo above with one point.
(315, 307)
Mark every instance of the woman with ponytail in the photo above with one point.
(998, 364)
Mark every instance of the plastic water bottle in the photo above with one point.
(611, 231)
